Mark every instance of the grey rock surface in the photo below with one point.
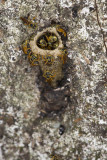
(25, 136)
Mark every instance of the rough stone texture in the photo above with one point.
(25, 136)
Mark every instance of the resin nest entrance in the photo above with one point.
(46, 49)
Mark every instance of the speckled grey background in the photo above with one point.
(24, 136)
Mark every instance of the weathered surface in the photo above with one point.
(22, 134)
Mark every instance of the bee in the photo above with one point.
(26, 46)
(52, 46)
(34, 63)
(63, 55)
(54, 157)
(52, 38)
(61, 30)
(42, 44)
(27, 50)
(48, 59)
(55, 45)
(49, 75)
(34, 59)
(30, 23)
